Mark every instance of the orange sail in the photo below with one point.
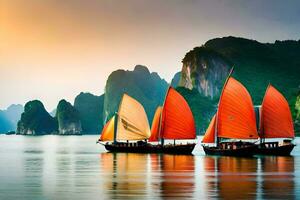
(276, 118)
(236, 117)
(155, 125)
(108, 130)
(209, 136)
(177, 118)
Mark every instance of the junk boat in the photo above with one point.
(275, 122)
(232, 131)
(128, 130)
(173, 121)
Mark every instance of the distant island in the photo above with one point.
(10, 117)
(200, 81)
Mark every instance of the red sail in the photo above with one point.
(177, 118)
(236, 117)
(155, 125)
(209, 136)
(276, 118)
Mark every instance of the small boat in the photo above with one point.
(128, 129)
(232, 131)
(173, 121)
(275, 122)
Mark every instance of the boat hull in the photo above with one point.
(185, 149)
(246, 151)
(284, 150)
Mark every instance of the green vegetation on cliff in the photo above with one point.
(148, 88)
(68, 118)
(36, 120)
(90, 108)
(203, 108)
(256, 65)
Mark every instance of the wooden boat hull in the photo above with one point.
(246, 151)
(284, 150)
(185, 149)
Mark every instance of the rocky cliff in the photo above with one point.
(35, 120)
(256, 65)
(90, 108)
(148, 88)
(68, 119)
(204, 70)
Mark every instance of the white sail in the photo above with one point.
(132, 120)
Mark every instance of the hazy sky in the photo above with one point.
(51, 50)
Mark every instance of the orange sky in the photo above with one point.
(51, 50)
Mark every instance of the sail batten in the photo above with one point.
(177, 119)
(276, 119)
(236, 117)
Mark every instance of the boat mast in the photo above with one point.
(216, 126)
(161, 117)
(116, 121)
(115, 127)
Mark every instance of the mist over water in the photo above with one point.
(74, 167)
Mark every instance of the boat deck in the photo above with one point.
(143, 147)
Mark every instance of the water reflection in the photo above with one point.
(249, 178)
(236, 177)
(278, 177)
(178, 176)
(127, 177)
(53, 167)
(163, 176)
(135, 175)
(210, 178)
(33, 167)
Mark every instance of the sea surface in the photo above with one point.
(74, 167)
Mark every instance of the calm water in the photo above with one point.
(74, 167)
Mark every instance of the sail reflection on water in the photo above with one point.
(230, 177)
(278, 177)
(125, 174)
(237, 177)
(210, 171)
(129, 176)
(178, 177)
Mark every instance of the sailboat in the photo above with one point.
(128, 129)
(173, 121)
(233, 128)
(275, 122)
